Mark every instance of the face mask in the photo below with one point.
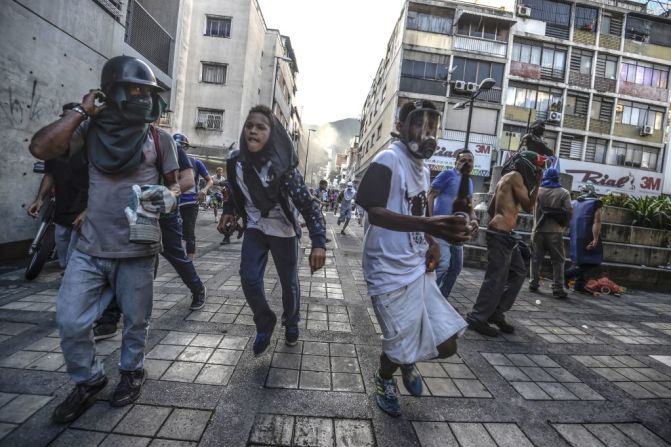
(138, 109)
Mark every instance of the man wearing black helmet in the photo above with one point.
(119, 239)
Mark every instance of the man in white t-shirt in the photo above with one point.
(400, 255)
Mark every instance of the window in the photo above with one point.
(424, 70)
(470, 70)
(632, 155)
(421, 21)
(213, 73)
(644, 73)
(650, 31)
(606, 66)
(639, 115)
(551, 12)
(602, 108)
(551, 58)
(596, 150)
(210, 119)
(540, 98)
(483, 28)
(585, 18)
(581, 61)
(577, 105)
(218, 26)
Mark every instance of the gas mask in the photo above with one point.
(419, 131)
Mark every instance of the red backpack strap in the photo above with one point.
(159, 155)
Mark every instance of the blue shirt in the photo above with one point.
(447, 185)
(199, 170)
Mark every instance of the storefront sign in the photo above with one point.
(616, 179)
(444, 156)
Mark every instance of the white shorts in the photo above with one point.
(415, 319)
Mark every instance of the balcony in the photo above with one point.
(491, 95)
(148, 37)
(627, 131)
(604, 85)
(643, 91)
(599, 126)
(425, 39)
(578, 79)
(525, 70)
(423, 86)
(647, 49)
(609, 41)
(575, 122)
(475, 45)
(584, 37)
(520, 114)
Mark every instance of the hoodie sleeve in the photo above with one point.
(300, 195)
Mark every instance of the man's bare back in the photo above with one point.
(510, 195)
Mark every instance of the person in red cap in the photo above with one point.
(506, 263)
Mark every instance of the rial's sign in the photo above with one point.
(443, 158)
(616, 179)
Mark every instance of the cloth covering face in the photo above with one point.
(263, 170)
(551, 178)
(525, 163)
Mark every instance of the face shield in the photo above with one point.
(420, 130)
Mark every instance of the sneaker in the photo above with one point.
(226, 241)
(483, 328)
(198, 299)
(533, 288)
(503, 325)
(81, 398)
(560, 295)
(129, 388)
(262, 340)
(343, 232)
(291, 335)
(412, 379)
(386, 395)
(104, 330)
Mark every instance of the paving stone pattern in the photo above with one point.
(583, 372)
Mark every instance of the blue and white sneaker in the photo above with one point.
(386, 395)
(412, 379)
(262, 340)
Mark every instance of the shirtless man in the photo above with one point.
(506, 269)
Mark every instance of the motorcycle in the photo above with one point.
(43, 247)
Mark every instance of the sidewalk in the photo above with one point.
(585, 372)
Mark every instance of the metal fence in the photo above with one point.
(148, 37)
(112, 7)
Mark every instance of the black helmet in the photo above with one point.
(126, 70)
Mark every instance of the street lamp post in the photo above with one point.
(275, 76)
(485, 85)
(307, 151)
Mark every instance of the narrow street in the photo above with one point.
(587, 371)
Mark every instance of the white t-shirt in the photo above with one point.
(275, 224)
(399, 182)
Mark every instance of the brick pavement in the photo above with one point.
(587, 372)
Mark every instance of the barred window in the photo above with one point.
(210, 119)
(214, 73)
(218, 26)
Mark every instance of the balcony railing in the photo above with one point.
(148, 37)
(476, 45)
(423, 86)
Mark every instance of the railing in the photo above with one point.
(148, 37)
(423, 86)
(112, 7)
(492, 95)
(475, 45)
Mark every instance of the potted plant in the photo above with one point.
(616, 209)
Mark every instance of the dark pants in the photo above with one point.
(189, 214)
(578, 272)
(255, 247)
(506, 271)
(553, 243)
(173, 252)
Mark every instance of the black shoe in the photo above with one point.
(81, 398)
(129, 388)
(262, 340)
(503, 325)
(291, 335)
(104, 330)
(483, 328)
(342, 232)
(226, 241)
(560, 295)
(198, 299)
(533, 288)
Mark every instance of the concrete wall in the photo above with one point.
(51, 54)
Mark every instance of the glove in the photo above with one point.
(156, 199)
(143, 222)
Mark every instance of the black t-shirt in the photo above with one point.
(71, 186)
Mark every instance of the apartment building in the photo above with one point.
(231, 62)
(596, 72)
(52, 54)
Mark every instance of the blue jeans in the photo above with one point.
(255, 247)
(450, 265)
(66, 241)
(174, 253)
(87, 288)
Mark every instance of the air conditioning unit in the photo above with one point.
(523, 11)
(200, 125)
(554, 117)
(647, 130)
(472, 87)
(460, 86)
